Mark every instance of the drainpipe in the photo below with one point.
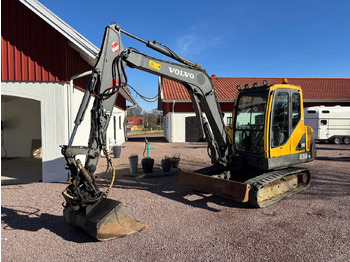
(69, 98)
(172, 124)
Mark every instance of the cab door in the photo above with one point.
(287, 130)
(280, 123)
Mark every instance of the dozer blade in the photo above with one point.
(104, 222)
(210, 184)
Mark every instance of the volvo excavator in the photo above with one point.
(251, 160)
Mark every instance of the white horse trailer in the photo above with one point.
(330, 123)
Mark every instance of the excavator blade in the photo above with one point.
(105, 221)
(211, 184)
(260, 191)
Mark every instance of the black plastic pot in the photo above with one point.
(175, 162)
(166, 165)
(147, 164)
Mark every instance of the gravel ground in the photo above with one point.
(185, 225)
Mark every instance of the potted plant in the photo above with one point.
(166, 164)
(147, 164)
(175, 160)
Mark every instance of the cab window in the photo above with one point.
(280, 119)
(250, 121)
(295, 109)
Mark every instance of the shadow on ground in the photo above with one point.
(164, 184)
(153, 138)
(31, 219)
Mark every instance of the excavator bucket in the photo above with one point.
(104, 221)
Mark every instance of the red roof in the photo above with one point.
(134, 120)
(313, 88)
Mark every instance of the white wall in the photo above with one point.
(117, 126)
(55, 116)
(53, 112)
(175, 124)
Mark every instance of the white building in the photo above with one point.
(41, 86)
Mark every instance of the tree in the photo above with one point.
(153, 119)
(135, 111)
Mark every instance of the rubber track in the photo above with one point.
(266, 178)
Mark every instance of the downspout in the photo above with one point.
(172, 124)
(69, 98)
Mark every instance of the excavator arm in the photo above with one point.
(200, 88)
(83, 196)
(109, 75)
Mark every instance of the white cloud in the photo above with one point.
(196, 42)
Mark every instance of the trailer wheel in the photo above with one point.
(346, 140)
(337, 140)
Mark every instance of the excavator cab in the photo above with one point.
(269, 130)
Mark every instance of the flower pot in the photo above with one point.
(166, 165)
(147, 164)
(133, 162)
(175, 162)
(116, 151)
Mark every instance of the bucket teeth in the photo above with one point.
(105, 221)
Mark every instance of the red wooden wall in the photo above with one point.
(32, 50)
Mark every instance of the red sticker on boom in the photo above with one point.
(115, 47)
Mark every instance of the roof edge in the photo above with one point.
(189, 101)
(326, 100)
(263, 77)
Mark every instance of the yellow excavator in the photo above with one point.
(251, 159)
(268, 135)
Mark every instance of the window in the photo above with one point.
(295, 109)
(120, 122)
(250, 121)
(114, 128)
(228, 121)
(311, 111)
(325, 111)
(323, 122)
(280, 119)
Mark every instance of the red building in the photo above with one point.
(134, 123)
(178, 111)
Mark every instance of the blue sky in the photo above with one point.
(299, 38)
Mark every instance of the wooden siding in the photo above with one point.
(32, 50)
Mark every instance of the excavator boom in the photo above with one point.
(88, 208)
